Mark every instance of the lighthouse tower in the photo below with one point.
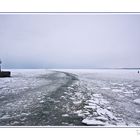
(4, 73)
(0, 65)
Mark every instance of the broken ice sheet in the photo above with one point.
(93, 122)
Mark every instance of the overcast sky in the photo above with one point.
(70, 40)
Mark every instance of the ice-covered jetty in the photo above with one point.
(5, 74)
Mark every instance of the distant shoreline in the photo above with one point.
(73, 68)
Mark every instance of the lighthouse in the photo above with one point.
(4, 73)
(0, 65)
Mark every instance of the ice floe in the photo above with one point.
(105, 88)
(137, 110)
(5, 116)
(128, 92)
(90, 107)
(77, 102)
(81, 113)
(93, 122)
(117, 90)
(42, 101)
(65, 115)
(137, 101)
(96, 95)
(101, 118)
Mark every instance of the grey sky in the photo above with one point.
(69, 40)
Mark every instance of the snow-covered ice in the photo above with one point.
(23, 95)
(96, 97)
(109, 95)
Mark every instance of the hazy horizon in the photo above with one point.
(69, 41)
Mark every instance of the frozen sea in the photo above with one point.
(70, 97)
